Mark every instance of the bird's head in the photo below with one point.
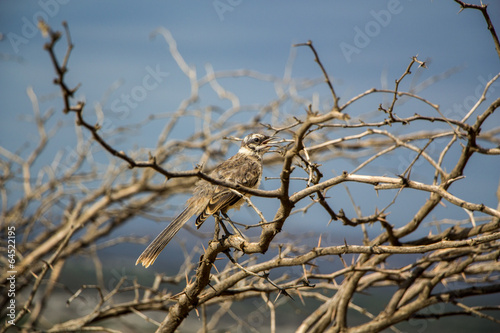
(256, 144)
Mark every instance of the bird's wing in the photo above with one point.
(207, 200)
(150, 254)
(238, 169)
(219, 201)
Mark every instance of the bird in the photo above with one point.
(244, 168)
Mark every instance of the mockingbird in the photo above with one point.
(244, 168)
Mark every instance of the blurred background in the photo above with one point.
(126, 72)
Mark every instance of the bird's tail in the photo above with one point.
(150, 254)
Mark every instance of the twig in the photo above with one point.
(325, 74)
(484, 11)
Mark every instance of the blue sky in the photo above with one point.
(112, 42)
(112, 39)
(359, 43)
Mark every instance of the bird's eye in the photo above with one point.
(256, 140)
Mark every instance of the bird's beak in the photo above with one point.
(269, 140)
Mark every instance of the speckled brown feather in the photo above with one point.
(244, 168)
(241, 169)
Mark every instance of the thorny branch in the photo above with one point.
(459, 262)
(483, 8)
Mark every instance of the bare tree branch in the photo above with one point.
(73, 207)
